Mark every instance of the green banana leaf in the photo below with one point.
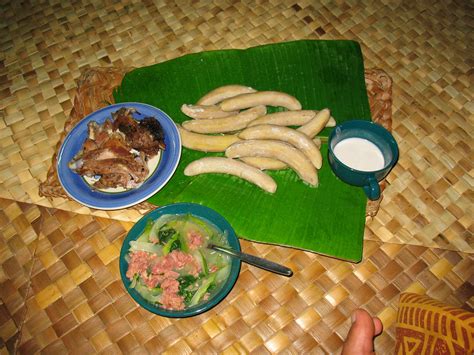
(328, 219)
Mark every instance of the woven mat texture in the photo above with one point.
(59, 284)
(76, 301)
(422, 46)
(19, 230)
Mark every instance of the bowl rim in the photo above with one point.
(380, 129)
(182, 208)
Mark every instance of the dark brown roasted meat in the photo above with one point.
(117, 151)
(145, 135)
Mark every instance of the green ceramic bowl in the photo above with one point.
(204, 213)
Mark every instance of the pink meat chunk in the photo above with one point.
(138, 264)
(170, 298)
(195, 239)
(163, 272)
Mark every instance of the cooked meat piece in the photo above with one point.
(117, 144)
(152, 138)
(106, 153)
(113, 158)
(145, 135)
(127, 173)
(154, 127)
(114, 180)
(100, 134)
(89, 144)
(124, 122)
(108, 126)
(92, 128)
(112, 145)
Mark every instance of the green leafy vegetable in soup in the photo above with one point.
(170, 265)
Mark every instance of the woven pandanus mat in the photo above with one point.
(19, 229)
(77, 302)
(95, 90)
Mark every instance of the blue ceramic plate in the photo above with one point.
(204, 213)
(78, 189)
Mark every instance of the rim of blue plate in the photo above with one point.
(80, 191)
(183, 208)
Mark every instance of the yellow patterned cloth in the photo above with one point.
(427, 326)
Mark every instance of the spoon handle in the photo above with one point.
(254, 260)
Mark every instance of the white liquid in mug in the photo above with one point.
(359, 154)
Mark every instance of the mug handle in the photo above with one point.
(372, 190)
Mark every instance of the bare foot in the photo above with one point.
(360, 339)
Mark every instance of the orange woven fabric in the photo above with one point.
(426, 326)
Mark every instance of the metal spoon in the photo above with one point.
(253, 260)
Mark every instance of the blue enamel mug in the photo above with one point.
(362, 153)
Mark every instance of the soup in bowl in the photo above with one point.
(166, 266)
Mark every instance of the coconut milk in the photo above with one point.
(359, 154)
